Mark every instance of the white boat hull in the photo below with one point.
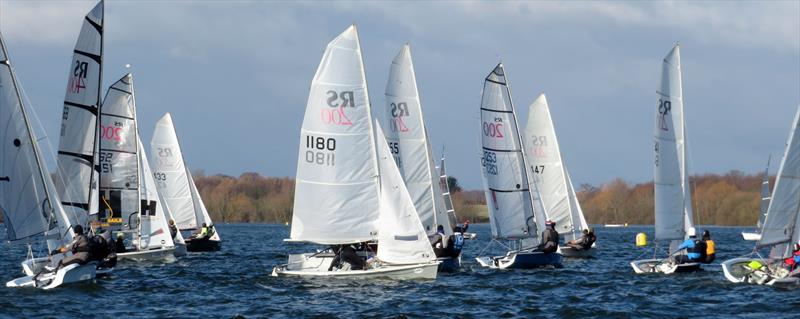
(166, 254)
(646, 266)
(571, 252)
(751, 236)
(65, 275)
(735, 271)
(521, 260)
(311, 265)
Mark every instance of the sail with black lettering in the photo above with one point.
(153, 228)
(337, 186)
(508, 192)
(408, 141)
(77, 183)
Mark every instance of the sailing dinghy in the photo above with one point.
(673, 199)
(31, 205)
(779, 233)
(448, 197)
(552, 178)
(410, 146)
(516, 212)
(130, 207)
(175, 183)
(348, 187)
(762, 212)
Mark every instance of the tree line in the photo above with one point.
(729, 199)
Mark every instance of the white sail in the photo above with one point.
(673, 200)
(578, 217)
(549, 172)
(765, 196)
(445, 188)
(401, 238)
(77, 186)
(154, 228)
(119, 157)
(782, 214)
(508, 195)
(409, 143)
(336, 192)
(173, 179)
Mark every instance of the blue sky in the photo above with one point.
(236, 74)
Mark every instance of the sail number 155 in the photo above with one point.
(319, 150)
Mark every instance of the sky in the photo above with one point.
(235, 74)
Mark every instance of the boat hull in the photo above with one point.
(204, 244)
(180, 250)
(571, 252)
(166, 254)
(735, 271)
(316, 265)
(521, 260)
(449, 264)
(64, 275)
(646, 266)
(751, 236)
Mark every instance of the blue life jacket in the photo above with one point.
(458, 243)
(691, 252)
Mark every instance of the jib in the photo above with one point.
(346, 98)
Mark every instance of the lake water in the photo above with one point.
(236, 281)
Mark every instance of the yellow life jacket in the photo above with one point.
(754, 265)
(710, 247)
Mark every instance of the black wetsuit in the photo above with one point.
(347, 253)
(549, 241)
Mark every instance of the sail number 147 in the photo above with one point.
(319, 150)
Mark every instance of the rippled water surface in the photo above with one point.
(236, 281)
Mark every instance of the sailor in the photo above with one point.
(466, 226)
(695, 249)
(119, 244)
(455, 242)
(438, 241)
(585, 242)
(710, 247)
(79, 248)
(793, 260)
(173, 230)
(549, 238)
(346, 253)
(203, 233)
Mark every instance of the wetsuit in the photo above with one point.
(173, 231)
(346, 253)
(437, 241)
(80, 251)
(119, 246)
(455, 243)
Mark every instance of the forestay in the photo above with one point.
(549, 172)
(673, 209)
(408, 141)
(336, 192)
(401, 238)
(508, 196)
(782, 214)
(118, 157)
(77, 184)
(173, 179)
(153, 228)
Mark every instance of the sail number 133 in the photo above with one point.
(319, 150)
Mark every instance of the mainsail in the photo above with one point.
(765, 196)
(511, 206)
(173, 178)
(77, 185)
(673, 208)
(408, 141)
(401, 237)
(119, 152)
(549, 171)
(337, 187)
(780, 225)
(448, 197)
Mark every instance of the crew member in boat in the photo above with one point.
(711, 252)
(79, 248)
(119, 244)
(792, 262)
(203, 232)
(549, 238)
(439, 242)
(585, 242)
(465, 227)
(348, 254)
(695, 249)
(455, 242)
(173, 230)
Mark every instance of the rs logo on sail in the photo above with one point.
(398, 111)
(664, 107)
(338, 101)
(79, 73)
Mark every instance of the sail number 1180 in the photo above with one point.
(319, 150)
